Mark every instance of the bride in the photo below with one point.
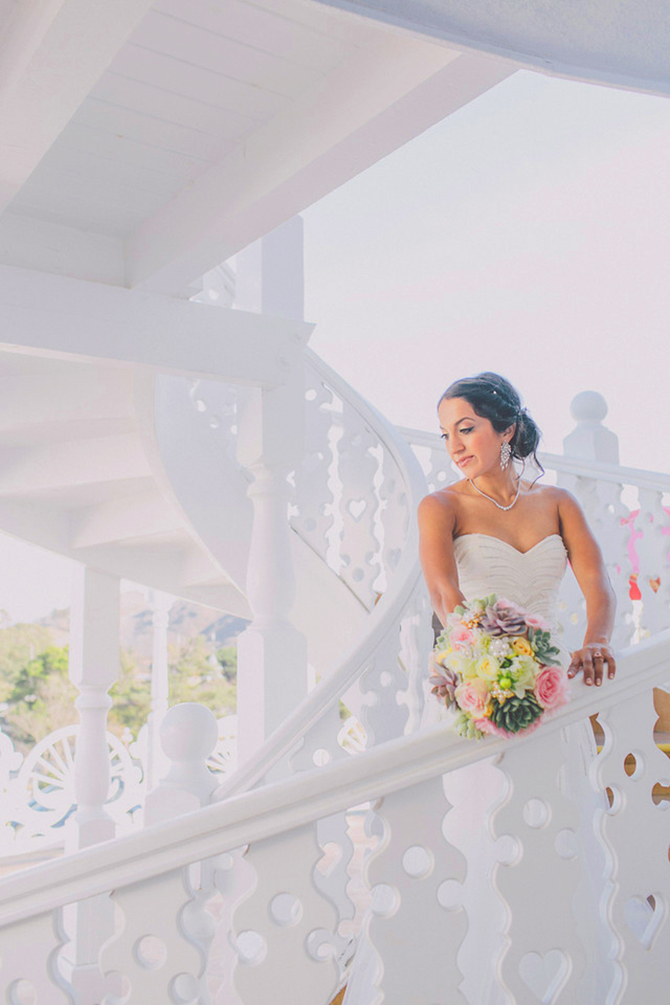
(495, 532)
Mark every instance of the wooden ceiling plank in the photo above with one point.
(47, 74)
(150, 130)
(212, 86)
(183, 110)
(263, 29)
(354, 31)
(160, 33)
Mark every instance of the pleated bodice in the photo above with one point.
(531, 579)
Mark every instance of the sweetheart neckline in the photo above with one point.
(491, 537)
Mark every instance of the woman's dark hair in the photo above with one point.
(495, 399)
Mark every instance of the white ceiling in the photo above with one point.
(142, 144)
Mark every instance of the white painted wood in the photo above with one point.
(272, 653)
(56, 466)
(154, 131)
(68, 318)
(25, 952)
(416, 938)
(292, 919)
(51, 56)
(94, 666)
(273, 32)
(140, 515)
(275, 809)
(202, 47)
(391, 91)
(211, 87)
(188, 735)
(354, 31)
(46, 246)
(169, 105)
(156, 761)
(630, 770)
(153, 930)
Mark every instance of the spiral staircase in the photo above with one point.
(164, 420)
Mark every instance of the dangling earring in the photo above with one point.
(505, 454)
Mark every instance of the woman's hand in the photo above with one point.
(591, 659)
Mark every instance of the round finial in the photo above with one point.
(189, 732)
(588, 406)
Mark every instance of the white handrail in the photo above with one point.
(406, 579)
(654, 480)
(304, 798)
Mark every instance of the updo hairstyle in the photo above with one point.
(495, 399)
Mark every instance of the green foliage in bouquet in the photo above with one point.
(516, 714)
(542, 647)
(464, 726)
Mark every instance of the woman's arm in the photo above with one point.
(436, 551)
(589, 568)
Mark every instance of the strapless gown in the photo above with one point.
(531, 579)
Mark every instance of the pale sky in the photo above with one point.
(528, 233)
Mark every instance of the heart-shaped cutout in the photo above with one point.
(356, 508)
(544, 975)
(643, 916)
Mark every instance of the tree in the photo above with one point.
(41, 698)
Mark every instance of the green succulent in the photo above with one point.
(542, 647)
(516, 713)
(464, 726)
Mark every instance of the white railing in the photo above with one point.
(261, 863)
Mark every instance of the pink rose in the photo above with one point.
(551, 687)
(535, 621)
(472, 696)
(461, 637)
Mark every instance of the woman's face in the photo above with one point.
(472, 442)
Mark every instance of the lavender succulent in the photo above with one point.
(444, 682)
(503, 618)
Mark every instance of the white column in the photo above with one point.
(160, 685)
(272, 654)
(94, 666)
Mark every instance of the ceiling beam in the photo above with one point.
(386, 94)
(51, 55)
(65, 318)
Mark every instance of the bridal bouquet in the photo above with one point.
(496, 666)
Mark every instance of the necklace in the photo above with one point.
(494, 501)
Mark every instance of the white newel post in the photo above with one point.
(272, 654)
(157, 763)
(94, 666)
(591, 440)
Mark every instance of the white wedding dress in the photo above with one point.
(532, 579)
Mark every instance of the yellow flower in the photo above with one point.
(522, 646)
(443, 656)
(488, 668)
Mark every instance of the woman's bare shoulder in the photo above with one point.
(440, 507)
(443, 500)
